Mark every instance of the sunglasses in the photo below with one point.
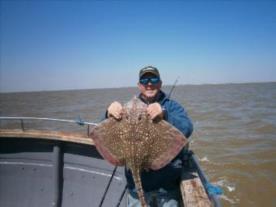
(152, 80)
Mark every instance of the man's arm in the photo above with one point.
(178, 117)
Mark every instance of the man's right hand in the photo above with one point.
(115, 110)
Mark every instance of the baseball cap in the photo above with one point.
(149, 69)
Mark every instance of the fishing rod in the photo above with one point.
(173, 87)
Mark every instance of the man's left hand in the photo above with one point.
(155, 110)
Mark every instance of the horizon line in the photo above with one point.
(121, 87)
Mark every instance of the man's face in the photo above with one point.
(149, 90)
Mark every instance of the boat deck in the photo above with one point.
(56, 174)
(62, 169)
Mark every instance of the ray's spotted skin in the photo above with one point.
(137, 142)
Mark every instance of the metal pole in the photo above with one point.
(57, 176)
(107, 187)
(121, 197)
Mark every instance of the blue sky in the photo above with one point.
(56, 45)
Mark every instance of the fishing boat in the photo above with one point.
(43, 167)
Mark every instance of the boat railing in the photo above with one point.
(23, 119)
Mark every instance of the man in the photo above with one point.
(161, 187)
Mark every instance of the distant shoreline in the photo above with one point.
(124, 87)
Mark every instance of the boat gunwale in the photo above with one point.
(81, 138)
(78, 138)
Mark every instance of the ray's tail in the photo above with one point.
(139, 188)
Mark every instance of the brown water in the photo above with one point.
(234, 137)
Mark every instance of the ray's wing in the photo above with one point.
(108, 140)
(167, 142)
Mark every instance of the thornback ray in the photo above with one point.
(137, 142)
